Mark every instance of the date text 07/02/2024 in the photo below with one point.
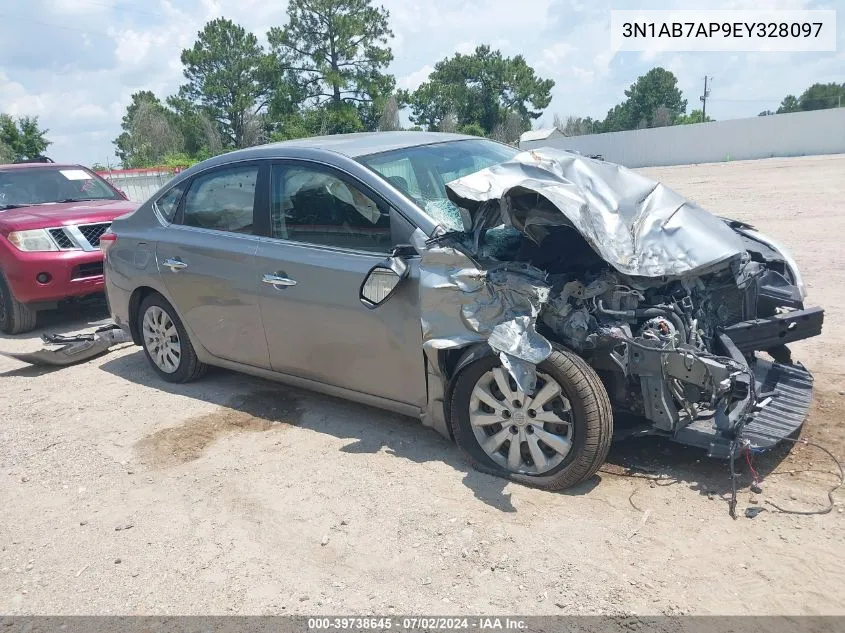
(416, 623)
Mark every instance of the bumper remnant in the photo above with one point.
(68, 350)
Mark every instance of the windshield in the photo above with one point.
(421, 172)
(43, 185)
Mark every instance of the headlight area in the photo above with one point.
(34, 240)
(798, 280)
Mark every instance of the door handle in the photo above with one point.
(174, 264)
(278, 280)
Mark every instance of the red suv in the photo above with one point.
(51, 220)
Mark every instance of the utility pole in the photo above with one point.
(703, 99)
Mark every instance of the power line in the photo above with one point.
(55, 26)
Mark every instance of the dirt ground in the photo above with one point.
(122, 494)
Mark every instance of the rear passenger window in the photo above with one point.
(223, 200)
(169, 202)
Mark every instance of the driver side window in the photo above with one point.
(312, 205)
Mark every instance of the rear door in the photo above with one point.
(326, 231)
(206, 259)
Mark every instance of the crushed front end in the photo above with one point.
(687, 355)
(685, 316)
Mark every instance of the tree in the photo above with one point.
(509, 130)
(696, 116)
(575, 125)
(481, 88)
(229, 76)
(6, 154)
(789, 104)
(472, 129)
(201, 133)
(658, 88)
(389, 119)
(766, 113)
(149, 132)
(661, 117)
(21, 138)
(822, 96)
(449, 122)
(339, 51)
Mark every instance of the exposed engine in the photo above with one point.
(664, 347)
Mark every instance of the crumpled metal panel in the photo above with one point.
(639, 226)
(462, 304)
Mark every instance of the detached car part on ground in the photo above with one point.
(569, 292)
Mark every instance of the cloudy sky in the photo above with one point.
(75, 63)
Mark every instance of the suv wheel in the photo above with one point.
(15, 317)
(166, 343)
(555, 439)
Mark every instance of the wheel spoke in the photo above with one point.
(485, 419)
(557, 443)
(514, 455)
(482, 392)
(494, 442)
(502, 380)
(537, 454)
(550, 390)
(549, 416)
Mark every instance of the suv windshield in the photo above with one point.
(43, 185)
(421, 172)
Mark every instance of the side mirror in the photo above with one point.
(383, 279)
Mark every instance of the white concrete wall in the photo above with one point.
(138, 185)
(795, 134)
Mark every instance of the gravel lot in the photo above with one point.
(122, 494)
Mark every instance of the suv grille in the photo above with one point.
(92, 232)
(62, 239)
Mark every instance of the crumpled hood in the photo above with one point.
(639, 226)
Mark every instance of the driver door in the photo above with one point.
(326, 232)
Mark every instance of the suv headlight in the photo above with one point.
(33, 240)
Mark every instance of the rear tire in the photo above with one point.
(15, 317)
(568, 453)
(166, 343)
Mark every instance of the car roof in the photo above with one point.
(39, 166)
(364, 143)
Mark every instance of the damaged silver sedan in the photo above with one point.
(531, 306)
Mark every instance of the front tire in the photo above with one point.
(15, 317)
(166, 343)
(554, 440)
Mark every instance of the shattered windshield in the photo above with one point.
(42, 185)
(421, 172)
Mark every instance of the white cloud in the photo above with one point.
(75, 63)
(414, 79)
(557, 53)
(465, 48)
